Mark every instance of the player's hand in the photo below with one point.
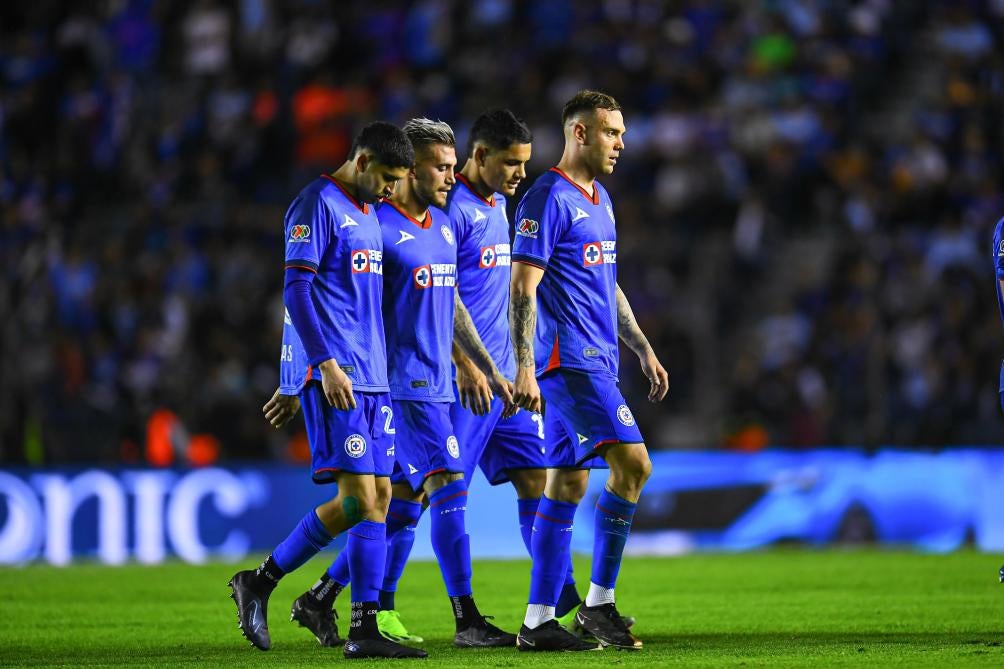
(474, 389)
(337, 386)
(526, 392)
(656, 375)
(281, 409)
(503, 389)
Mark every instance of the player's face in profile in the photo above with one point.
(504, 169)
(434, 166)
(376, 180)
(605, 140)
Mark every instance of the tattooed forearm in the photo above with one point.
(522, 322)
(465, 336)
(627, 326)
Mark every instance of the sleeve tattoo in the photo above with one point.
(523, 321)
(465, 335)
(627, 326)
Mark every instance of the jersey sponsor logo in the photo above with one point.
(367, 260)
(447, 234)
(355, 446)
(488, 257)
(495, 256)
(599, 253)
(404, 237)
(624, 415)
(435, 275)
(528, 228)
(579, 215)
(478, 216)
(349, 222)
(453, 447)
(299, 233)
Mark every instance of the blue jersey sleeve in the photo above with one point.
(308, 231)
(999, 249)
(539, 226)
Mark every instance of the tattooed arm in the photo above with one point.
(523, 324)
(631, 334)
(477, 375)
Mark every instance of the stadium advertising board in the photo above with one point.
(694, 501)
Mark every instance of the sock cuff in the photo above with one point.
(369, 529)
(556, 512)
(528, 507)
(615, 505)
(315, 530)
(405, 510)
(457, 488)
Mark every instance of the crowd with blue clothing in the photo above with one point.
(147, 151)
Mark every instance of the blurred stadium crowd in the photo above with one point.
(804, 205)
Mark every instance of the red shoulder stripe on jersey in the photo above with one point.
(594, 198)
(365, 208)
(555, 360)
(425, 225)
(462, 179)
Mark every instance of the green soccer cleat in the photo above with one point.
(390, 626)
(569, 623)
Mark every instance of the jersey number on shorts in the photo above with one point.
(388, 428)
(539, 420)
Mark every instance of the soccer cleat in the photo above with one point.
(482, 634)
(551, 636)
(390, 626)
(607, 625)
(252, 609)
(359, 649)
(317, 619)
(568, 622)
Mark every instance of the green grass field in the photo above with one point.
(779, 608)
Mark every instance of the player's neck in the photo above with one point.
(473, 176)
(578, 172)
(407, 200)
(346, 178)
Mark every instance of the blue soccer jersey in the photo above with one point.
(570, 235)
(421, 277)
(483, 260)
(294, 370)
(329, 233)
(998, 252)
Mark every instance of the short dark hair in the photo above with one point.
(389, 144)
(587, 101)
(499, 129)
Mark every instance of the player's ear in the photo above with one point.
(580, 132)
(480, 153)
(362, 161)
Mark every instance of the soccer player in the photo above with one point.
(566, 313)
(998, 252)
(333, 294)
(420, 259)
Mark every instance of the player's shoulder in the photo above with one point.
(544, 190)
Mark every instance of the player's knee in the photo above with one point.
(567, 485)
(383, 494)
(437, 481)
(529, 483)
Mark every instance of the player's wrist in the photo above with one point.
(328, 366)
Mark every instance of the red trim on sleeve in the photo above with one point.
(365, 208)
(309, 269)
(594, 198)
(604, 442)
(462, 179)
(310, 374)
(425, 225)
(531, 264)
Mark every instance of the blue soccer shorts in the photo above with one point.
(425, 443)
(583, 412)
(359, 441)
(499, 444)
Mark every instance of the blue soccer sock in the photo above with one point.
(552, 539)
(303, 543)
(527, 512)
(402, 518)
(612, 525)
(366, 551)
(450, 542)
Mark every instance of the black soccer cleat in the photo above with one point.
(551, 636)
(482, 634)
(319, 620)
(607, 625)
(360, 649)
(252, 609)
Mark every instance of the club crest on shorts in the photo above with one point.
(453, 447)
(355, 446)
(624, 415)
(447, 234)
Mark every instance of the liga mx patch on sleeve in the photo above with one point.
(528, 228)
(299, 233)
